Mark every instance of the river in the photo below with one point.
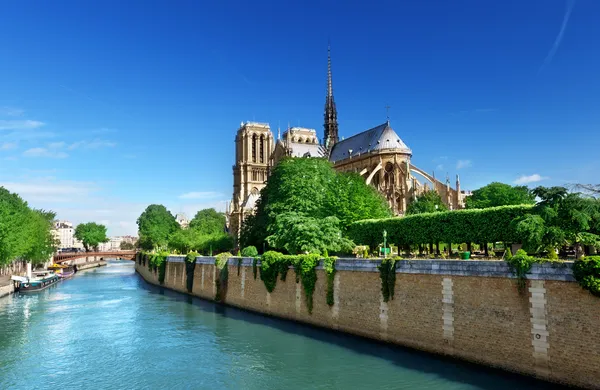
(108, 329)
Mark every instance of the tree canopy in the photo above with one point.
(499, 194)
(205, 234)
(25, 233)
(310, 187)
(208, 221)
(426, 203)
(560, 218)
(155, 226)
(91, 234)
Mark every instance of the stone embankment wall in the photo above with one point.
(464, 309)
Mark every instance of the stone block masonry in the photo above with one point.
(469, 310)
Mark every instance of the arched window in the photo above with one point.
(253, 147)
(262, 149)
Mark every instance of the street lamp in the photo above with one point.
(384, 238)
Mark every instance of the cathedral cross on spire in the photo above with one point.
(331, 124)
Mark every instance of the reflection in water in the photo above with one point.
(106, 328)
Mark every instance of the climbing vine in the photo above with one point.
(273, 265)
(239, 265)
(190, 266)
(254, 266)
(222, 275)
(387, 274)
(308, 275)
(329, 267)
(587, 273)
(521, 264)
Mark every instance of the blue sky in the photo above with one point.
(106, 107)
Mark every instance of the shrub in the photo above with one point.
(477, 225)
(587, 273)
(249, 251)
(521, 264)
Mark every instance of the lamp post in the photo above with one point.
(384, 238)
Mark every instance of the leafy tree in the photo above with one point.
(155, 226)
(183, 240)
(499, 194)
(560, 218)
(25, 234)
(208, 221)
(42, 243)
(127, 246)
(14, 226)
(426, 203)
(311, 187)
(91, 234)
(298, 233)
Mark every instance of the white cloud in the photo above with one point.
(95, 144)
(50, 190)
(8, 146)
(460, 164)
(439, 167)
(200, 195)
(45, 152)
(530, 179)
(20, 124)
(11, 111)
(56, 145)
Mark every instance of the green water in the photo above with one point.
(108, 329)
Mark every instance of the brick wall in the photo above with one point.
(466, 309)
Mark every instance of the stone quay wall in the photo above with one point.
(470, 310)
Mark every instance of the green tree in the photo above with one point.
(42, 243)
(499, 194)
(298, 233)
(560, 218)
(208, 221)
(14, 226)
(311, 187)
(127, 246)
(427, 202)
(91, 235)
(155, 226)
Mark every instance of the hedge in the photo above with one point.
(476, 225)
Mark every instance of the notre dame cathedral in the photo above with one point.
(377, 154)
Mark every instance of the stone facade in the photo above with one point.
(467, 310)
(253, 149)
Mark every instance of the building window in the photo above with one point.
(253, 147)
(262, 149)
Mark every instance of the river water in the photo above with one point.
(108, 329)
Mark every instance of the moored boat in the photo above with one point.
(63, 271)
(37, 282)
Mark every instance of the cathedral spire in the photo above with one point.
(330, 125)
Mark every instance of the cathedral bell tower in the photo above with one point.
(253, 148)
(331, 124)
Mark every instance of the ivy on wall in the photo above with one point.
(521, 264)
(254, 266)
(387, 274)
(190, 267)
(222, 275)
(329, 267)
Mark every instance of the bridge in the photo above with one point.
(125, 255)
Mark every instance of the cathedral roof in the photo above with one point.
(382, 137)
(306, 150)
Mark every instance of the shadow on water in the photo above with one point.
(449, 368)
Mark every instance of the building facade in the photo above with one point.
(64, 234)
(378, 154)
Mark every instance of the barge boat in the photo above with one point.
(37, 282)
